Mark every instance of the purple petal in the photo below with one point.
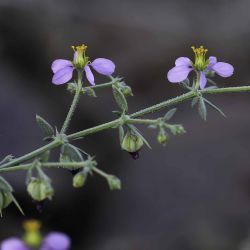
(203, 80)
(212, 62)
(89, 75)
(63, 75)
(182, 61)
(56, 241)
(60, 64)
(223, 69)
(103, 66)
(178, 73)
(13, 244)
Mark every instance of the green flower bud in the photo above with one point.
(127, 91)
(162, 137)
(114, 182)
(40, 189)
(79, 179)
(5, 199)
(132, 142)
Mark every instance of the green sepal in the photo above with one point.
(17, 204)
(46, 128)
(194, 101)
(121, 134)
(120, 99)
(138, 133)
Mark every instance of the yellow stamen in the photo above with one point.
(31, 225)
(200, 58)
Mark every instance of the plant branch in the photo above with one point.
(117, 122)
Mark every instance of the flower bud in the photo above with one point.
(5, 199)
(132, 142)
(162, 138)
(127, 91)
(79, 179)
(40, 189)
(114, 182)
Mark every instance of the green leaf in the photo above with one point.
(169, 114)
(194, 101)
(6, 159)
(17, 204)
(4, 185)
(215, 107)
(45, 127)
(121, 134)
(70, 153)
(120, 99)
(202, 108)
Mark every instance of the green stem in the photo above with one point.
(99, 86)
(32, 154)
(100, 172)
(117, 122)
(142, 121)
(73, 105)
(68, 165)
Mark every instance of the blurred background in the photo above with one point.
(193, 194)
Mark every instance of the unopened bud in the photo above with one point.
(126, 90)
(114, 182)
(40, 189)
(162, 138)
(79, 179)
(5, 199)
(132, 142)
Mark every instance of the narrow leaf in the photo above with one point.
(202, 109)
(121, 134)
(120, 99)
(215, 107)
(194, 101)
(4, 185)
(169, 114)
(17, 204)
(70, 153)
(45, 126)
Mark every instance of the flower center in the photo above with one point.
(200, 58)
(80, 59)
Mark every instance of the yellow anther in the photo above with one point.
(200, 58)
(31, 225)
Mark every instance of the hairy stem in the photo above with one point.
(117, 122)
(73, 105)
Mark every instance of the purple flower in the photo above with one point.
(56, 241)
(13, 244)
(63, 69)
(183, 66)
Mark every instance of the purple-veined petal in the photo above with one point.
(56, 241)
(178, 73)
(212, 62)
(63, 75)
(60, 64)
(89, 75)
(203, 80)
(183, 61)
(223, 69)
(103, 66)
(13, 244)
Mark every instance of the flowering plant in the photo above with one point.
(79, 162)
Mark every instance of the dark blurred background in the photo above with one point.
(193, 194)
